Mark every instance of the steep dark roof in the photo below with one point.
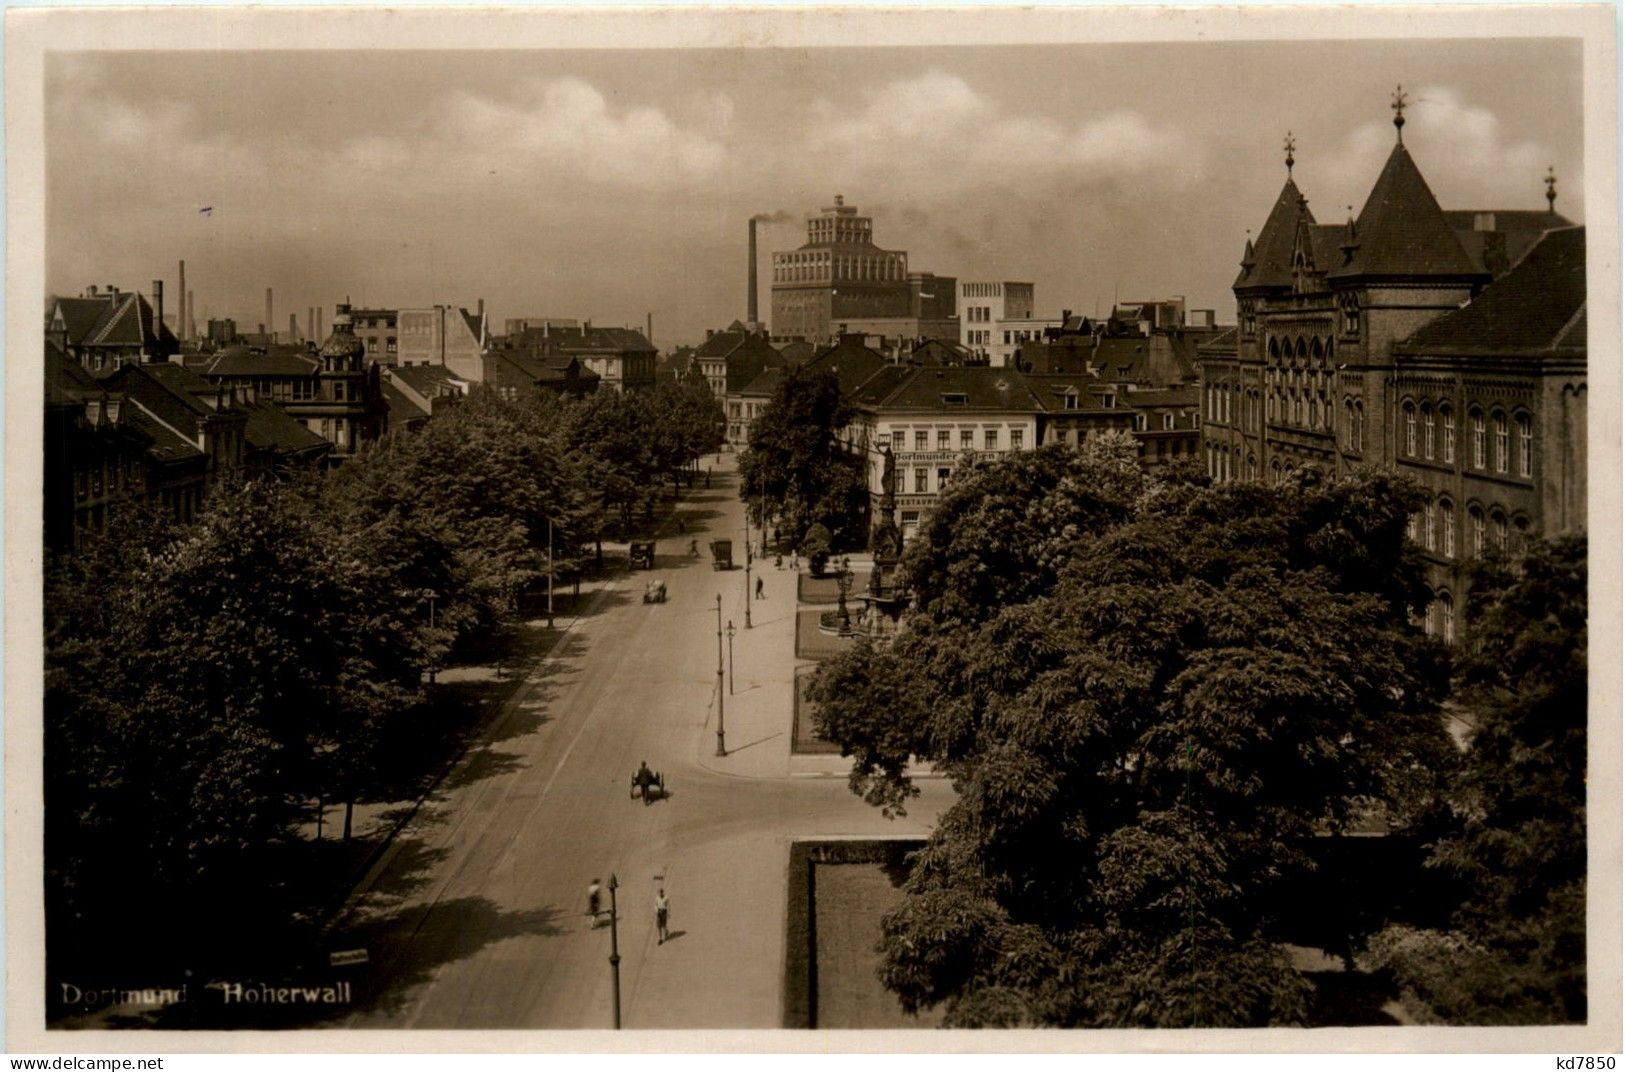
(878, 388)
(607, 340)
(1534, 306)
(167, 446)
(1052, 389)
(66, 381)
(1123, 360)
(982, 388)
(81, 315)
(402, 407)
(1272, 251)
(764, 385)
(241, 361)
(184, 384)
(1160, 399)
(269, 428)
(425, 379)
(1224, 340)
(798, 352)
(1401, 231)
(720, 344)
(851, 361)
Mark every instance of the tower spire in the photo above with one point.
(1551, 191)
(1290, 146)
(1399, 112)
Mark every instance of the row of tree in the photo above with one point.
(206, 685)
(1155, 698)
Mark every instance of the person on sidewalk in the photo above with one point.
(759, 589)
(662, 915)
(594, 901)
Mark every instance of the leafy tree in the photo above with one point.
(795, 465)
(1147, 718)
(688, 421)
(1515, 953)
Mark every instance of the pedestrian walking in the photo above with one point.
(594, 901)
(707, 477)
(759, 589)
(662, 915)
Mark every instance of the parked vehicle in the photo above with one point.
(722, 554)
(642, 554)
(654, 592)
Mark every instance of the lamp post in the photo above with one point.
(550, 573)
(615, 948)
(730, 657)
(747, 577)
(843, 583)
(722, 747)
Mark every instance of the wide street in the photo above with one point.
(476, 915)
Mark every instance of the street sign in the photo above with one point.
(341, 957)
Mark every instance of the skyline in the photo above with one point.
(605, 185)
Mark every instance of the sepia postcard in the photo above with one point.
(838, 529)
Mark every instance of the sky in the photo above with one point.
(609, 185)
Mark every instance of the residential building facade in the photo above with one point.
(444, 335)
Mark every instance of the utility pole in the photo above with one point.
(747, 577)
(550, 573)
(730, 657)
(615, 947)
(722, 747)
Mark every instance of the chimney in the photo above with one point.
(269, 319)
(310, 323)
(750, 291)
(482, 308)
(318, 323)
(293, 327)
(158, 309)
(191, 315)
(649, 327)
(91, 293)
(182, 319)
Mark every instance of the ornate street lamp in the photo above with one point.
(615, 948)
(730, 657)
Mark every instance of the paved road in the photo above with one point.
(476, 918)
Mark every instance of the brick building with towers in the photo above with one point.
(839, 281)
(1449, 345)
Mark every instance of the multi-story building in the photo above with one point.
(106, 327)
(1078, 407)
(840, 277)
(376, 328)
(995, 319)
(933, 419)
(1490, 416)
(623, 359)
(729, 360)
(414, 393)
(1331, 364)
(334, 391)
(516, 374)
(444, 335)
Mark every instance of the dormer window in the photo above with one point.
(955, 398)
(1350, 307)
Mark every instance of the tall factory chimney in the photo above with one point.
(750, 293)
(158, 311)
(318, 325)
(310, 324)
(191, 316)
(293, 327)
(270, 320)
(184, 336)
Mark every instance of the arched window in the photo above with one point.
(1520, 534)
(1275, 472)
(1427, 431)
(1500, 420)
(1476, 415)
(1411, 527)
(1359, 425)
(1314, 412)
(1252, 467)
(1447, 617)
(1351, 314)
(1348, 423)
(1447, 528)
(1227, 393)
(1447, 418)
(1428, 529)
(1498, 529)
(1475, 519)
(1410, 429)
(1526, 445)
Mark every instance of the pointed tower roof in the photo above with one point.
(1272, 253)
(1402, 231)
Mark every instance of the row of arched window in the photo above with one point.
(1299, 351)
(1495, 443)
(1435, 529)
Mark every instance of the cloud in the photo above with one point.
(568, 126)
(1462, 149)
(947, 138)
